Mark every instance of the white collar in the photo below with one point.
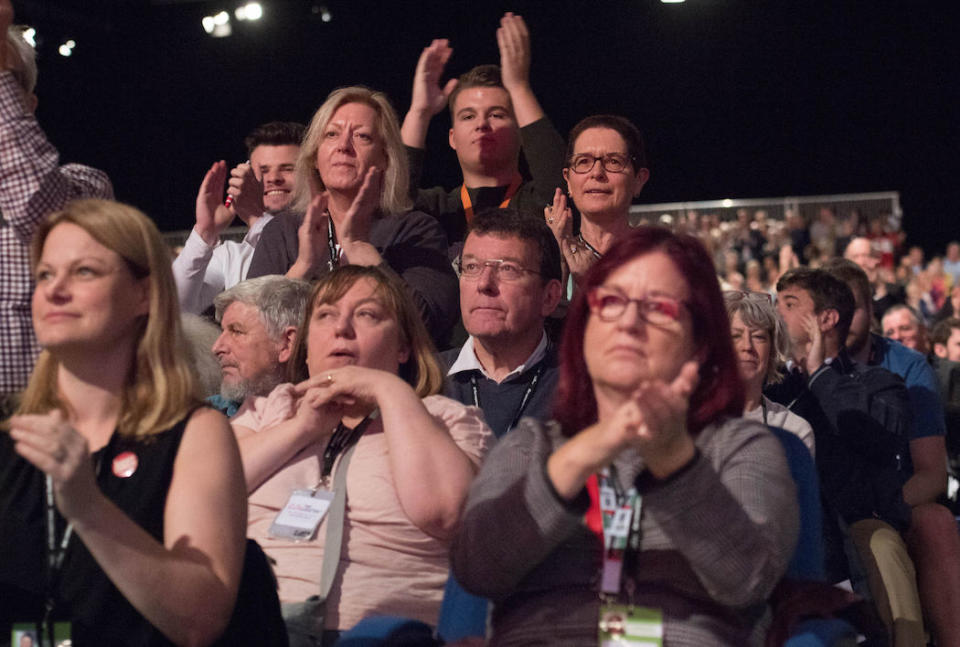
(253, 234)
(467, 360)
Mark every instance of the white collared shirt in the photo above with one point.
(203, 271)
(467, 360)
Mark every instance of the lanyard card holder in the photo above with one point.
(55, 634)
(302, 515)
(624, 625)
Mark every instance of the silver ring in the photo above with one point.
(573, 249)
(329, 379)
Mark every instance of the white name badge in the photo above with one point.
(302, 514)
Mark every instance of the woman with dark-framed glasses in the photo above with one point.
(606, 169)
(648, 498)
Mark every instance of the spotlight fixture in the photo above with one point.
(66, 49)
(249, 11)
(217, 25)
(30, 35)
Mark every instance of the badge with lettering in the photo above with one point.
(627, 626)
(302, 514)
(125, 464)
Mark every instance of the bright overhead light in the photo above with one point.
(254, 11)
(221, 18)
(208, 24)
(727, 203)
(65, 50)
(71, 43)
(30, 35)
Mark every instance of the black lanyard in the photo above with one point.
(56, 554)
(523, 403)
(763, 406)
(343, 437)
(596, 252)
(334, 261)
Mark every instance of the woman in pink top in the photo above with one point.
(362, 346)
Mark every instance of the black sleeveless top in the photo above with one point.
(99, 613)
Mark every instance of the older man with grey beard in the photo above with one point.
(259, 320)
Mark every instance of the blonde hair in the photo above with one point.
(756, 310)
(395, 194)
(162, 388)
(421, 370)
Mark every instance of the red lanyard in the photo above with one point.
(468, 204)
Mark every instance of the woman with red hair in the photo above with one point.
(648, 498)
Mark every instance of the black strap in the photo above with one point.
(56, 554)
(593, 250)
(523, 403)
(343, 438)
(334, 261)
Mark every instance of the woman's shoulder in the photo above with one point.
(730, 435)
(465, 423)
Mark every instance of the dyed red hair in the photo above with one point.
(720, 391)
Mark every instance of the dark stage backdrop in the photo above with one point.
(735, 99)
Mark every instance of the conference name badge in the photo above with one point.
(301, 516)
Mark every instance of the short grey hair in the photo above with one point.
(904, 307)
(25, 69)
(756, 310)
(280, 300)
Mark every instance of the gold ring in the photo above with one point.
(573, 249)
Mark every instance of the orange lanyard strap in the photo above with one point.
(468, 204)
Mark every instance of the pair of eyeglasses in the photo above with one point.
(655, 310)
(611, 163)
(472, 268)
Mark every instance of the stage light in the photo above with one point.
(30, 35)
(65, 50)
(322, 11)
(252, 11)
(727, 203)
(218, 25)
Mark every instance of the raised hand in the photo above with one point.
(353, 227)
(247, 192)
(513, 40)
(58, 450)
(212, 216)
(661, 437)
(814, 349)
(311, 239)
(576, 258)
(428, 96)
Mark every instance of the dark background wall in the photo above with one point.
(736, 99)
